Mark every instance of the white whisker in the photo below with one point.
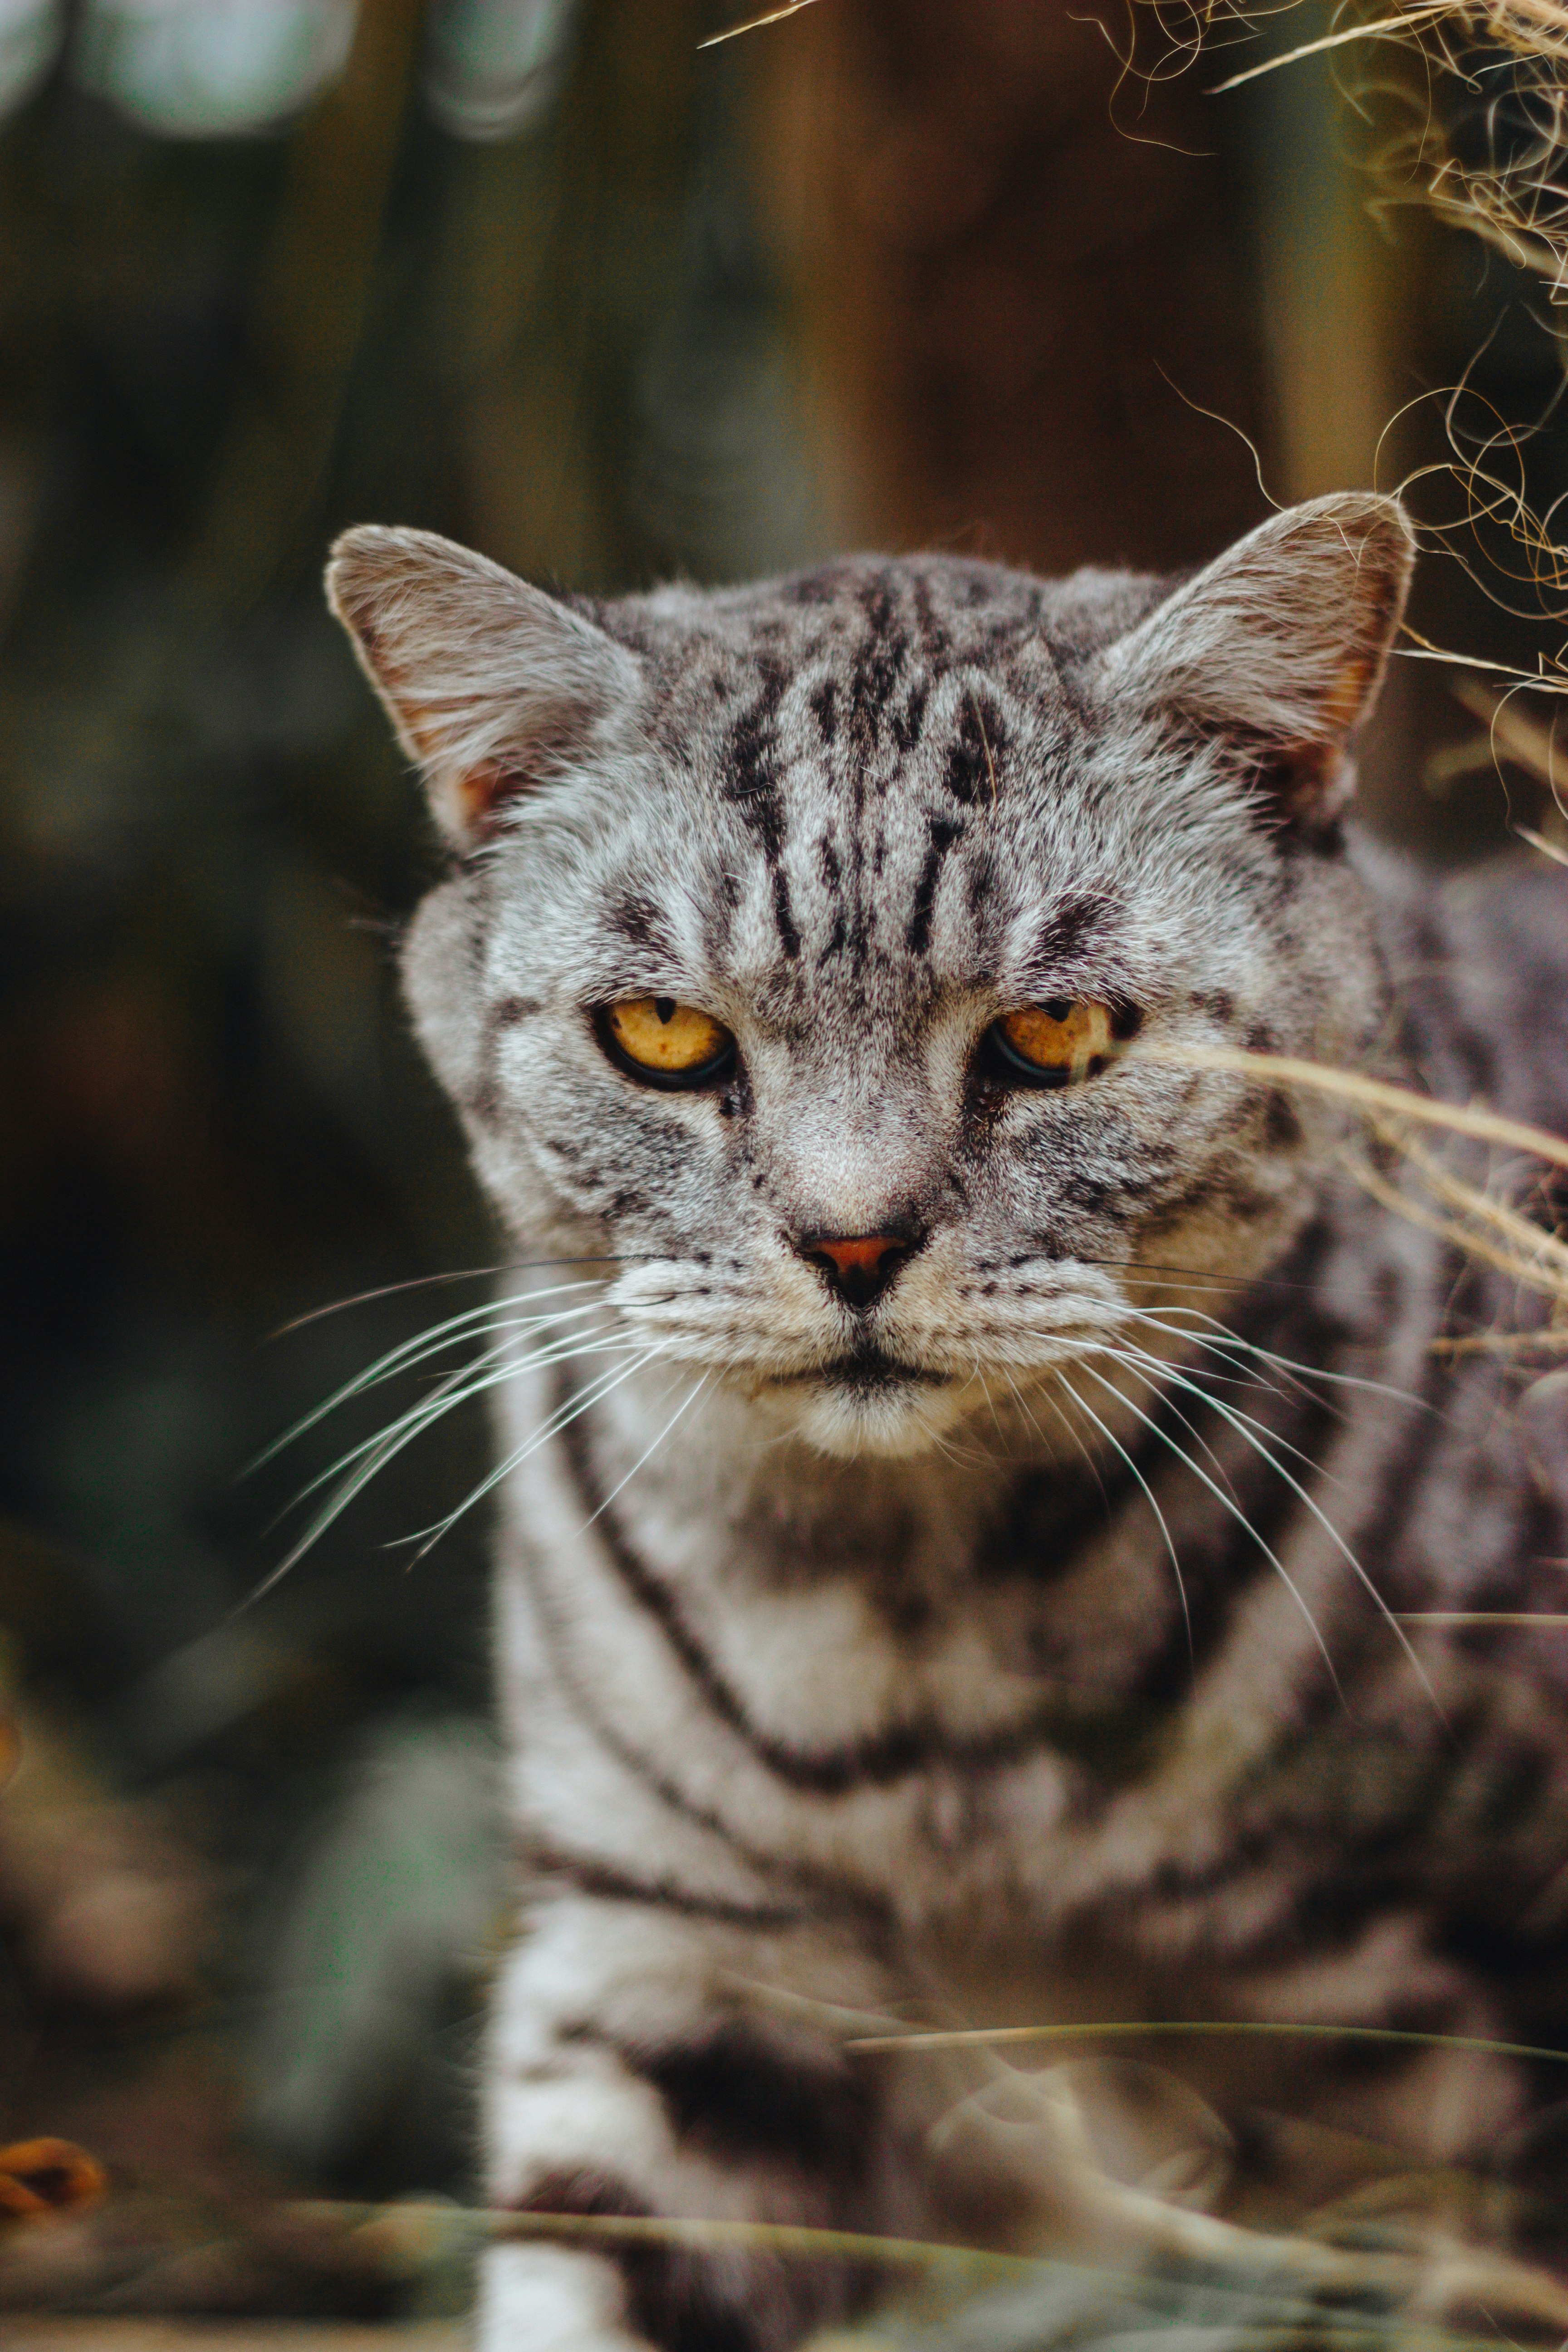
(1129, 1360)
(1022, 1402)
(371, 1454)
(424, 1344)
(1297, 1372)
(1157, 1370)
(1084, 1448)
(1235, 1512)
(1111, 1438)
(991, 1403)
(427, 1537)
(690, 1398)
(470, 1379)
(1247, 1430)
(438, 1281)
(1231, 1350)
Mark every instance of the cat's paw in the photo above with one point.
(549, 2299)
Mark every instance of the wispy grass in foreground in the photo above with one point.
(1483, 1221)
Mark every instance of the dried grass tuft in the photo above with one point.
(1484, 1221)
(1506, 59)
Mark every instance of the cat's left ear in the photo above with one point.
(492, 686)
(1280, 647)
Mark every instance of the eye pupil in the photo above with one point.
(1058, 1007)
(664, 1008)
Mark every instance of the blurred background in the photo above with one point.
(549, 277)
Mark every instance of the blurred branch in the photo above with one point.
(754, 24)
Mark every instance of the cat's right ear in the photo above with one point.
(492, 686)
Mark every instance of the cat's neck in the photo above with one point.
(727, 1462)
(722, 1498)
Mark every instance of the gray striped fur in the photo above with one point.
(844, 1665)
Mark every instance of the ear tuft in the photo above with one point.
(492, 686)
(1280, 646)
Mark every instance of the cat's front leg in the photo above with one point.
(631, 2072)
(550, 2297)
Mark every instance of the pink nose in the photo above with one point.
(859, 1268)
(864, 1255)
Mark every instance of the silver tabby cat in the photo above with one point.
(961, 1468)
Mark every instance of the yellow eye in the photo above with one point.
(1055, 1043)
(671, 1044)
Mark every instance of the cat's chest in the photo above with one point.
(949, 1735)
(1025, 1714)
(840, 1637)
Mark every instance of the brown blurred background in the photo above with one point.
(546, 276)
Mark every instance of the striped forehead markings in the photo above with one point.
(874, 699)
(751, 776)
(877, 663)
(944, 834)
(750, 781)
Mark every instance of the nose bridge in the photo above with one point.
(854, 1159)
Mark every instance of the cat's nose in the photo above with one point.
(858, 1267)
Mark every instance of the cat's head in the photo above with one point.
(798, 933)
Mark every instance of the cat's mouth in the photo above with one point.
(865, 1372)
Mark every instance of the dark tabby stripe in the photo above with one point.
(585, 1875)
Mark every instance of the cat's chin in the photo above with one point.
(847, 1417)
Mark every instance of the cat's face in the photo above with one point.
(813, 942)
